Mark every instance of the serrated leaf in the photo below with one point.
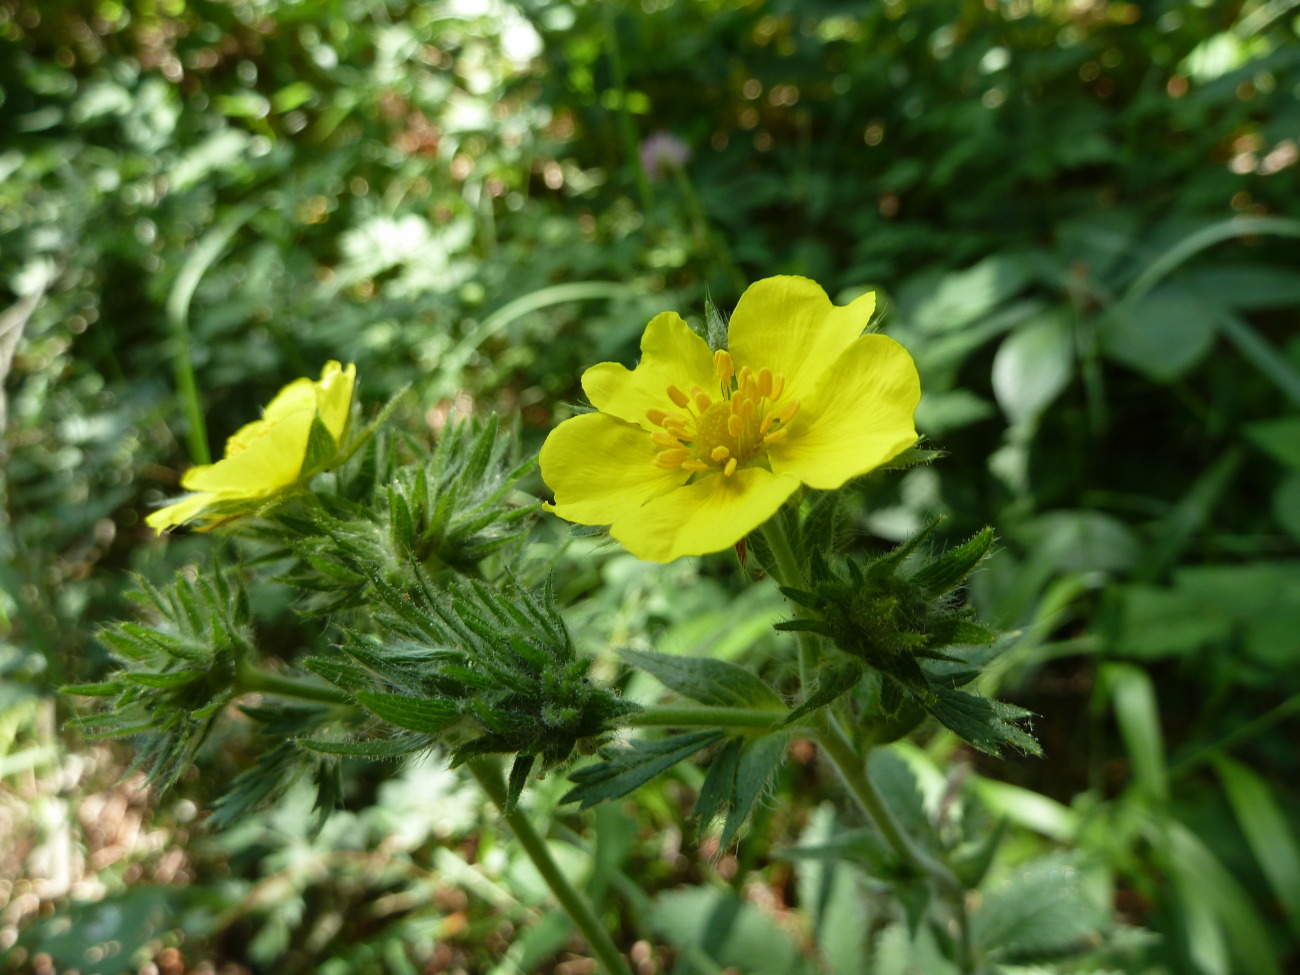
(716, 683)
(427, 715)
(1042, 913)
(719, 783)
(758, 762)
(863, 847)
(978, 721)
(625, 769)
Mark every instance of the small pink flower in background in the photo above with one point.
(662, 152)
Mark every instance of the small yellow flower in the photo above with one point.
(267, 456)
(692, 450)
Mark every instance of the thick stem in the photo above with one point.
(253, 680)
(789, 572)
(851, 764)
(581, 913)
(704, 717)
(852, 770)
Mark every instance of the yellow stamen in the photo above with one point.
(745, 375)
(730, 468)
(671, 458)
(746, 408)
(694, 465)
(724, 365)
(764, 382)
(734, 425)
(778, 385)
(677, 396)
(702, 401)
(656, 417)
(775, 435)
(768, 419)
(665, 439)
(787, 412)
(720, 453)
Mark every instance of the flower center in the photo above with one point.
(726, 433)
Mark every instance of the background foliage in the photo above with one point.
(1083, 215)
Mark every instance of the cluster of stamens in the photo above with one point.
(722, 434)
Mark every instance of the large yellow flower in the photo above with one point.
(267, 456)
(692, 450)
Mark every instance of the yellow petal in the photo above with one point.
(186, 509)
(334, 397)
(602, 468)
(708, 516)
(671, 354)
(857, 417)
(298, 395)
(269, 463)
(789, 325)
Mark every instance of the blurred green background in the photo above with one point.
(1083, 215)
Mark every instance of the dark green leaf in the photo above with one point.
(713, 682)
(624, 769)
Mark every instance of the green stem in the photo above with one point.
(789, 572)
(488, 773)
(627, 130)
(851, 764)
(252, 680)
(705, 717)
(852, 769)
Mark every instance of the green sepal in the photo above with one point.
(834, 680)
(951, 569)
(105, 688)
(425, 715)
(322, 449)
(715, 326)
(912, 457)
(517, 780)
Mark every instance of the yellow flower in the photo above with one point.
(267, 456)
(692, 450)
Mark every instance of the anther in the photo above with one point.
(745, 375)
(764, 382)
(730, 468)
(768, 419)
(734, 425)
(694, 465)
(746, 408)
(725, 367)
(656, 417)
(778, 385)
(671, 458)
(665, 439)
(720, 453)
(702, 401)
(677, 396)
(776, 435)
(787, 412)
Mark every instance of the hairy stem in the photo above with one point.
(851, 763)
(488, 773)
(705, 717)
(254, 680)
